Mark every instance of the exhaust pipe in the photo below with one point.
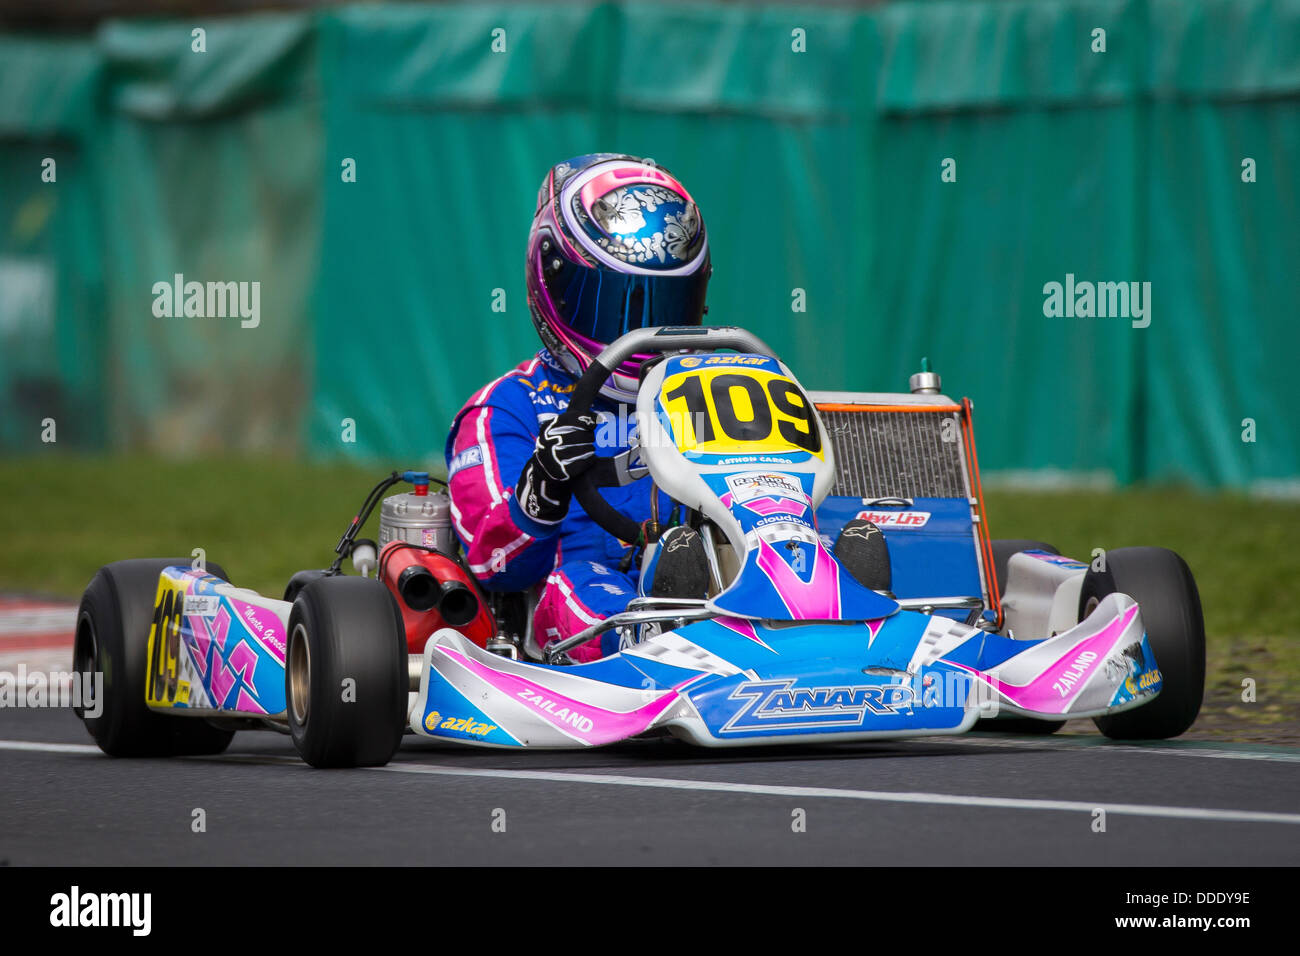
(418, 588)
(432, 590)
(457, 604)
(421, 591)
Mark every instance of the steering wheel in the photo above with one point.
(611, 472)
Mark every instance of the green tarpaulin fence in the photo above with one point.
(815, 140)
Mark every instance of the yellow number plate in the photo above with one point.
(731, 410)
(163, 687)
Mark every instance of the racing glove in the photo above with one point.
(565, 449)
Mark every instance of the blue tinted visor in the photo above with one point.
(600, 304)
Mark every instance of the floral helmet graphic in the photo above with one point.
(617, 244)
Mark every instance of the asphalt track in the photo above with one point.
(986, 799)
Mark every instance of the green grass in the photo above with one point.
(1243, 551)
(1244, 556)
(263, 519)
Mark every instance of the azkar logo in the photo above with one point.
(778, 705)
(691, 362)
(466, 725)
(547, 385)
(1144, 682)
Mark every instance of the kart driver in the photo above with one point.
(616, 244)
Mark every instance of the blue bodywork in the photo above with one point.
(940, 557)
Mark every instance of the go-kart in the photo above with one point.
(853, 594)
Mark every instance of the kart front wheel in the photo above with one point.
(345, 677)
(112, 639)
(1163, 586)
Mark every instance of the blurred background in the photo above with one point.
(880, 181)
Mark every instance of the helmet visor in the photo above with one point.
(600, 304)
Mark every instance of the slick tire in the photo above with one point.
(1170, 605)
(112, 637)
(346, 682)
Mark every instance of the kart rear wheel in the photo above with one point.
(112, 638)
(345, 677)
(1162, 584)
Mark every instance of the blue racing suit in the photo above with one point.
(491, 440)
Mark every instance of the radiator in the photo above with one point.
(882, 451)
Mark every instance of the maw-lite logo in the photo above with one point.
(778, 705)
(77, 909)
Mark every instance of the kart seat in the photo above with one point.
(862, 549)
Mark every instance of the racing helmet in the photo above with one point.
(617, 244)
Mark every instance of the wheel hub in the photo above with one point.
(299, 675)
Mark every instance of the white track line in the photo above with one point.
(38, 747)
(758, 789)
(883, 796)
(1065, 744)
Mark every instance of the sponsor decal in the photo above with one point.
(681, 542)
(1071, 675)
(778, 705)
(754, 460)
(1144, 682)
(864, 531)
(793, 521)
(896, 519)
(564, 715)
(465, 725)
(1059, 560)
(725, 360)
(469, 458)
(202, 605)
(547, 385)
(749, 485)
(267, 631)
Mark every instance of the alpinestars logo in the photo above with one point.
(778, 705)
